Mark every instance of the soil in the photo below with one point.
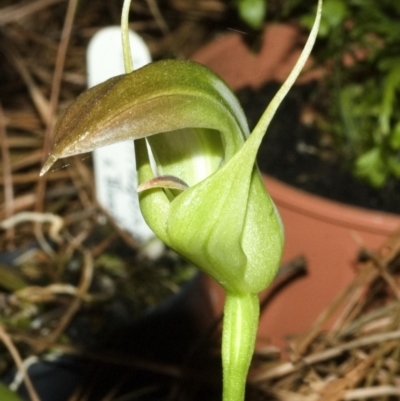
(300, 155)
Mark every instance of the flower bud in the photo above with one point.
(222, 220)
(203, 196)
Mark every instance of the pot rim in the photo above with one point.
(330, 211)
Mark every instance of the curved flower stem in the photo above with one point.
(258, 133)
(126, 48)
(241, 314)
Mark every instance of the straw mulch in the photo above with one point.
(42, 64)
(69, 257)
(59, 234)
(359, 357)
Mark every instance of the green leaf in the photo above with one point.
(394, 139)
(371, 167)
(10, 279)
(394, 166)
(334, 12)
(253, 12)
(7, 395)
(333, 15)
(391, 85)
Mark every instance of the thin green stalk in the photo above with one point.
(241, 313)
(126, 48)
(262, 125)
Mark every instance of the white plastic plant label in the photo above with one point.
(114, 166)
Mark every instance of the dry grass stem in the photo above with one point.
(158, 17)
(39, 101)
(372, 392)
(56, 222)
(55, 93)
(19, 11)
(83, 287)
(6, 339)
(7, 175)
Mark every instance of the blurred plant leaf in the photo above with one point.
(394, 140)
(253, 12)
(371, 167)
(7, 395)
(10, 279)
(333, 15)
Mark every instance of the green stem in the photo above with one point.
(241, 314)
(126, 48)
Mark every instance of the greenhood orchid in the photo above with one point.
(204, 196)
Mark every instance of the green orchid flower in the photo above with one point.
(200, 189)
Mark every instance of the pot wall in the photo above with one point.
(328, 234)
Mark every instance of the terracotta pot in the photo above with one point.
(329, 234)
